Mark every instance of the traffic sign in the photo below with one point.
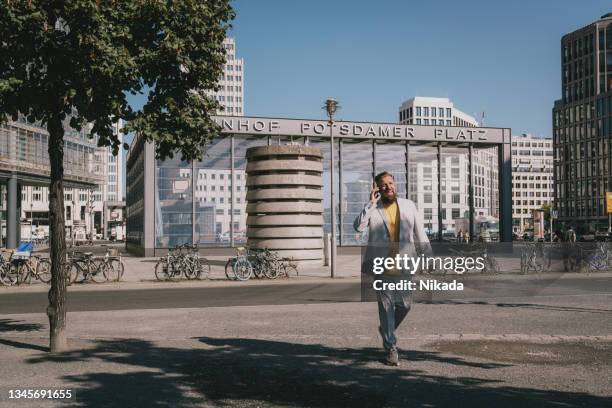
(554, 214)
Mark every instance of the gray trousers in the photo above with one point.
(393, 306)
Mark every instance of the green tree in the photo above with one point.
(79, 59)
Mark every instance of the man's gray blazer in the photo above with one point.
(411, 232)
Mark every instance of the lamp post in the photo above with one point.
(90, 207)
(331, 106)
(31, 221)
(72, 229)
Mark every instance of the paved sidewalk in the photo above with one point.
(547, 353)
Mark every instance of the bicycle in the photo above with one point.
(34, 267)
(8, 270)
(596, 260)
(168, 267)
(111, 264)
(289, 268)
(85, 266)
(239, 267)
(265, 263)
(529, 260)
(195, 266)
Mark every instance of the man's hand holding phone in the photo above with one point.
(374, 194)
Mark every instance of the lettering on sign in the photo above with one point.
(298, 127)
(467, 134)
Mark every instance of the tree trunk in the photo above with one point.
(56, 311)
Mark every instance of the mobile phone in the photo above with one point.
(377, 196)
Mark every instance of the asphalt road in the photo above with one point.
(298, 293)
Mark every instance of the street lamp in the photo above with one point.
(331, 106)
(90, 208)
(31, 221)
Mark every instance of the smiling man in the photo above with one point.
(395, 227)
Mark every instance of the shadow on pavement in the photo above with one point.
(251, 372)
(12, 325)
(7, 325)
(518, 305)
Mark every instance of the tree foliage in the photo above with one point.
(79, 59)
(83, 57)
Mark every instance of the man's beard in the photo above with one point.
(388, 200)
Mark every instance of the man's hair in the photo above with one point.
(381, 175)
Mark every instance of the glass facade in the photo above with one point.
(582, 128)
(134, 203)
(205, 202)
(174, 203)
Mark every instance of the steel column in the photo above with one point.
(407, 165)
(12, 217)
(471, 191)
(505, 188)
(440, 226)
(340, 190)
(232, 187)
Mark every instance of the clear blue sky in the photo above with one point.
(500, 57)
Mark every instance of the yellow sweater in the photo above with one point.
(392, 213)
(393, 223)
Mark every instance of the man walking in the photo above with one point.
(394, 227)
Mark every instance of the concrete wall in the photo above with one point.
(284, 201)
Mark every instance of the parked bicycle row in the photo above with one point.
(468, 254)
(539, 257)
(182, 261)
(258, 263)
(22, 267)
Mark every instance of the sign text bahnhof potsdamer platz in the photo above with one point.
(359, 130)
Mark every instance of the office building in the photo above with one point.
(582, 127)
(532, 179)
(100, 205)
(231, 92)
(25, 171)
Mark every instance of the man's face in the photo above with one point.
(386, 186)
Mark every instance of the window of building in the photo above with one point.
(426, 111)
(456, 213)
(418, 111)
(427, 198)
(433, 112)
(448, 112)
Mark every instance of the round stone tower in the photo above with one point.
(284, 201)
